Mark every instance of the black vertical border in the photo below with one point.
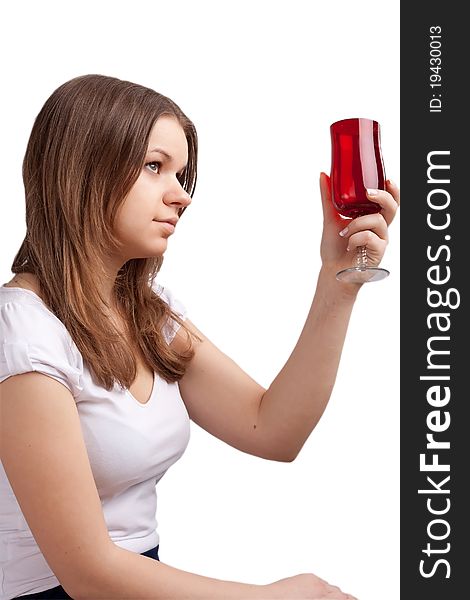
(421, 132)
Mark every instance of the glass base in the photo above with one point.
(362, 274)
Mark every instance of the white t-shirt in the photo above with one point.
(130, 445)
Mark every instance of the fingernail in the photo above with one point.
(390, 182)
(372, 192)
(344, 231)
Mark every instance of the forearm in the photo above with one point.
(296, 399)
(127, 575)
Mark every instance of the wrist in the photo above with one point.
(341, 290)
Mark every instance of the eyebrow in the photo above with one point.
(161, 151)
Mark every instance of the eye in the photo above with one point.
(154, 162)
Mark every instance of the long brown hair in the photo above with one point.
(86, 150)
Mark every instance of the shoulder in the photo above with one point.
(23, 312)
(175, 304)
(32, 338)
(166, 294)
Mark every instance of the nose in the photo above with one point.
(177, 196)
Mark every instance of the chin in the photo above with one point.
(149, 253)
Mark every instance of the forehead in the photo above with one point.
(168, 134)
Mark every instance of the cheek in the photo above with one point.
(138, 208)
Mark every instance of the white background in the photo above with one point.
(262, 81)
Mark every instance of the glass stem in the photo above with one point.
(361, 258)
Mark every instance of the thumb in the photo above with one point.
(329, 212)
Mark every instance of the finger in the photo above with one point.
(333, 592)
(386, 201)
(329, 212)
(394, 190)
(334, 595)
(369, 239)
(375, 223)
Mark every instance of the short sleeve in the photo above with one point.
(33, 340)
(176, 305)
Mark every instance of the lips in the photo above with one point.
(171, 220)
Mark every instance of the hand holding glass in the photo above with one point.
(356, 164)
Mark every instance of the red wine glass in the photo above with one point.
(356, 164)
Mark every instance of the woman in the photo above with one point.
(97, 356)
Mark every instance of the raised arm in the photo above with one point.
(275, 423)
(296, 399)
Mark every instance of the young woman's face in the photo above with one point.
(156, 196)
